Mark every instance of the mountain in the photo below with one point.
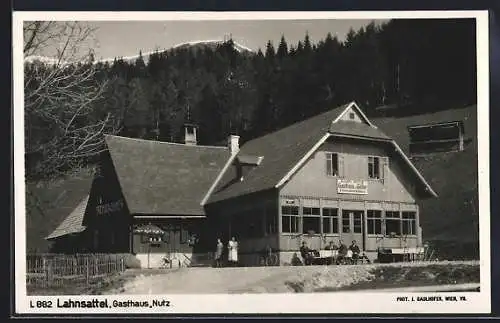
(198, 44)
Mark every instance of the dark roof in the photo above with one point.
(165, 178)
(397, 127)
(73, 223)
(52, 201)
(281, 149)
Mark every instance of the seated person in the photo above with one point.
(305, 253)
(342, 251)
(355, 251)
(296, 260)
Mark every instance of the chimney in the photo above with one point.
(233, 143)
(190, 134)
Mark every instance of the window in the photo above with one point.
(155, 239)
(332, 164)
(330, 220)
(150, 239)
(352, 116)
(374, 221)
(409, 223)
(346, 222)
(392, 223)
(374, 167)
(314, 211)
(311, 220)
(290, 219)
(357, 222)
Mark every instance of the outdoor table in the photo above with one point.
(327, 253)
(325, 256)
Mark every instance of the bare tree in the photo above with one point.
(63, 123)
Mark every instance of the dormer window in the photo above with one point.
(435, 138)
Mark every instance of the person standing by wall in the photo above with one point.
(233, 251)
(218, 253)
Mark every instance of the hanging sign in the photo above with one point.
(352, 187)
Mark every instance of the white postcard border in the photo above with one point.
(365, 302)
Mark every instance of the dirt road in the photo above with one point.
(234, 280)
(252, 279)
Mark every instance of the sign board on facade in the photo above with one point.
(109, 207)
(352, 187)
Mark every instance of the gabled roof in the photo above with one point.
(160, 178)
(281, 150)
(285, 150)
(73, 223)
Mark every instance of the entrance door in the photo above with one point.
(353, 228)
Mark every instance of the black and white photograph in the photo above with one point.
(339, 157)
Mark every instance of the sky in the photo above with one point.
(127, 38)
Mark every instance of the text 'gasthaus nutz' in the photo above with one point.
(96, 303)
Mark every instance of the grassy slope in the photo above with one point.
(453, 216)
(55, 201)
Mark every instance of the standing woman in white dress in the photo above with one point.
(233, 251)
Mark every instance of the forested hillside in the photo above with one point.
(415, 63)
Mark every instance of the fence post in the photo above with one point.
(49, 272)
(96, 266)
(87, 270)
(45, 271)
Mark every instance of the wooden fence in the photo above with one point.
(52, 270)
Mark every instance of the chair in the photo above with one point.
(348, 257)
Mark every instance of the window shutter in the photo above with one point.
(341, 165)
(384, 165)
(328, 164)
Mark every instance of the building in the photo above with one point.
(141, 183)
(333, 176)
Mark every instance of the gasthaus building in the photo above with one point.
(333, 176)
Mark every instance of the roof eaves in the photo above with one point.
(302, 160)
(73, 222)
(219, 177)
(163, 142)
(339, 134)
(420, 176)
(55, 235)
